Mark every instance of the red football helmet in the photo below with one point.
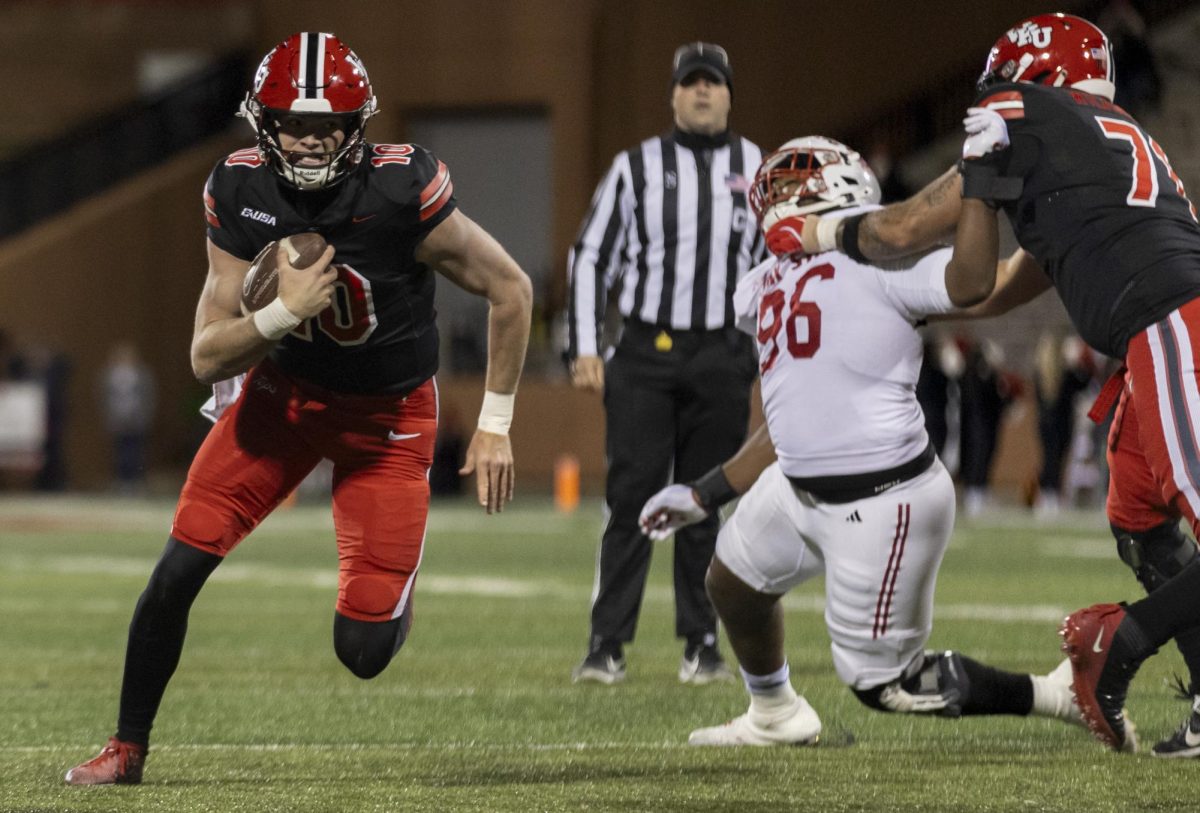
(1055, 50)
(310, 74)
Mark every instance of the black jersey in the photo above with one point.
(1101, 211)
(379, 335)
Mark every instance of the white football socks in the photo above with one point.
(769, 693)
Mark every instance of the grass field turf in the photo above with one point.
(478, 712)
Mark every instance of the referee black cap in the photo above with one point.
(702, 56)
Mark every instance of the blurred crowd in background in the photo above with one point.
(968, 388)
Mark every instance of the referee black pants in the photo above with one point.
(674, 401)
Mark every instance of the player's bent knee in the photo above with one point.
(180, 572)
(1156, 555)
(367, 647)
(727, 591)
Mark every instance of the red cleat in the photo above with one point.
(1105, 654)
(120, 763)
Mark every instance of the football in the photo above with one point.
(261, 284)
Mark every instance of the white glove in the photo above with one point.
(986, 132)
(669, 510)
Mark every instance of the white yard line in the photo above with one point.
(107, 514)
(487, 586)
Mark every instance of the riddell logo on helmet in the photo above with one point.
(1030, 34)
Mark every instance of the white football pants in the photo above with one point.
(880, 557)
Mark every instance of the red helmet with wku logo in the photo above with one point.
(310, 75)
(1055, 50)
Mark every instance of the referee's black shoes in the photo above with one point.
(703, 664)
(600, 666)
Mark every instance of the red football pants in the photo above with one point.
(1154, 443)
(276, 433)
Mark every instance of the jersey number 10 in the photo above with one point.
(1144, 189)
(351, 317)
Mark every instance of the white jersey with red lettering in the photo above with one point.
(839, 357)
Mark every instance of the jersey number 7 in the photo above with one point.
(1143, 190)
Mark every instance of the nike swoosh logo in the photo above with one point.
(398, 436)
(361, 219)
(1096, 646)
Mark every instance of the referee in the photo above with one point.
(669, 233)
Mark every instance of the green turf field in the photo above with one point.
(478, 712)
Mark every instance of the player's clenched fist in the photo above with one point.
(306, 291)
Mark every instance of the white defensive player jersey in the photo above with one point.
(839, 358)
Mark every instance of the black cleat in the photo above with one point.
(1185, 742)
(703, 664)
(600, 666)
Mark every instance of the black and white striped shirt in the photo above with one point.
(671, 224)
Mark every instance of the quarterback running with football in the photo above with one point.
(850, 486)
(340, 366)
(1103, 219)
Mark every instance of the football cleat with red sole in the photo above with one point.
(120, 763)
(1104, 660)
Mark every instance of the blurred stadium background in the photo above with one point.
(117, 109)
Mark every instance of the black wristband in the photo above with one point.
(713, 489)
(850, 238)
(981, 179)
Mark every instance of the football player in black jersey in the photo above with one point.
(340, 365)
(1101, 217)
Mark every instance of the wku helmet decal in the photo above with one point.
(1059, 50)
(1027, 33)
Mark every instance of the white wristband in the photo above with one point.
(827, 234)
(495, 415)
(275, 321)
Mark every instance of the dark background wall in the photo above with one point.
(130, 263)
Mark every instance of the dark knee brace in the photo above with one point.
(1155, 555)
(367, 647)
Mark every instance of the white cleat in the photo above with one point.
(797, 724)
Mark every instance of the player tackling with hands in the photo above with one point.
(1095, 203)
(842, 479)
(340, 366)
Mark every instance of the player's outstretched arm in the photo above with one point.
(226, 343)
(683, 504)
(1019, 279)
(925, 220)
(471, 258)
